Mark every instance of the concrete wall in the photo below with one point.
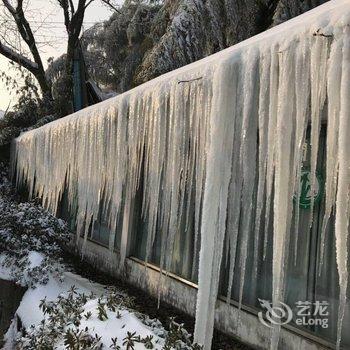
(182, 294)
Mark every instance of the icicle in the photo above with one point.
(343, 192)
(283, 184)
(234, 204)
(117, 164)
(263, 113)
(333, 88)
(177, 170)
(319, 58)
(302, 95)
(215, 201)
(125, 228)
(154, 158)
(235, 188)
(134, 139)
(274, 83)
(248, 153)
(200, 166)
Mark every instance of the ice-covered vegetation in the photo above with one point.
(26, 228)
(29, 111)
(148, 38)
(76, 320)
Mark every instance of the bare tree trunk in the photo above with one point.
(73, 19)
(45, 90)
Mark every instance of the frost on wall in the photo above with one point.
(192, 136)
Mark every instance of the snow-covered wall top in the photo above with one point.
(194, 130)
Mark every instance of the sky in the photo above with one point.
(52, 30)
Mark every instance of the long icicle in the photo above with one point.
(215, 201)
(248, 154)
(319, 60)
(283, 186)
(302, 96)
(273, 105)
(264, 98)
(333, 86)
(343, 193)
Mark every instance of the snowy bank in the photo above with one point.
(115, 324)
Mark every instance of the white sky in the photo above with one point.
(53, 30)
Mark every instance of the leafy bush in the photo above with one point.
(7, 134)
(27, 227)
(64, 315)
(29, 112)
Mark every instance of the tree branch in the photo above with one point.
(72, 9)
(27, 35)
(88, 3)
(18, 58)
(65, 8)
(19, 5)
(9, 7)
(24, 29)
(77, 22)
(81, 6)
(108, 2)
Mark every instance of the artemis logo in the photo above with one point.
(277, 315)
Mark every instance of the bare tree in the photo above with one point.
(17, 23)
(73, 14)
(34, 65)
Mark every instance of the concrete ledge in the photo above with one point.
(243, 325)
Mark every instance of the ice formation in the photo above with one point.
(203, 137)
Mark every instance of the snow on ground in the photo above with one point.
(117, 325)
(51, 291)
